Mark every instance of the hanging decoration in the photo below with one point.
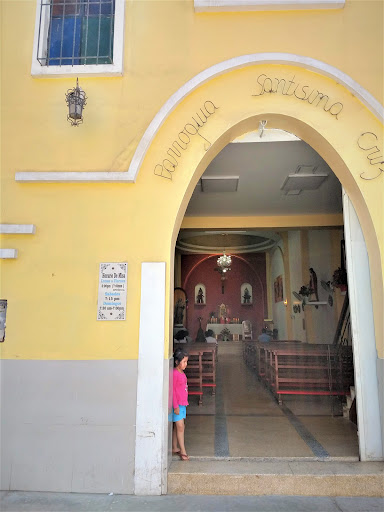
(223, 266)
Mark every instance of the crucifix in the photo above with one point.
(223, 277)
(222, 284)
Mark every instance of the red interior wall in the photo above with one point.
(246, 268)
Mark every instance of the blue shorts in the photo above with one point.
(182, 414)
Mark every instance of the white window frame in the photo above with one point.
(264, 5)
(115, 69)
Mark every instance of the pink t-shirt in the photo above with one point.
(180, 389)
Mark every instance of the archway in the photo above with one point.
(279, 121)
(280, 270)
(232, 105)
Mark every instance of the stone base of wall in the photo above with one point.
(68, 426)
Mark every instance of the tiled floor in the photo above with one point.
(244, 420)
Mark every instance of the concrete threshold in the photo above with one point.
(272, 459)
(246, 477)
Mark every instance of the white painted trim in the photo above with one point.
(17, 229)
(269, 135)
(363, 335)
(115, 69)
(218, 69)
(264, 5)
(151, 402)
(74, 177)
(8, 253)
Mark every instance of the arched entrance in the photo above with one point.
(328, 118)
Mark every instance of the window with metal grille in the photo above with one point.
(76, 32)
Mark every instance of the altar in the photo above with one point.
(233, 328)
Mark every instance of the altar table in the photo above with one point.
(233, 328)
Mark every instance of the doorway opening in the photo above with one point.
(268, 292)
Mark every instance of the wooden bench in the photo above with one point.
(294, 368)
(201, 368)
(308, 369)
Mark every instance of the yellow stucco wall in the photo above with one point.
(52, 287)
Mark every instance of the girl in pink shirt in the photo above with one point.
(180, 402)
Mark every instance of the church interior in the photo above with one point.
(263, 311)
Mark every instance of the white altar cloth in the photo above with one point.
(234, 328)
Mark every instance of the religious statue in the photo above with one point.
(246, 296)
(313, 284)
(222, 311)
(178, 318)
(200, 297)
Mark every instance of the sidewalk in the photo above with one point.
(16, 501)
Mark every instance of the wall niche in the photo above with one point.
(200, 295)
(246, 294)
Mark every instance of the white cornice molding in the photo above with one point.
(17, 229)
(8, 253)
(75, 177)
(264, 5)
(208, 74)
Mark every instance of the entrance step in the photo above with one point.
(296, 478)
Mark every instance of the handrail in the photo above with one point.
(342, 319)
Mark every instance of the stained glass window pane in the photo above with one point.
(80, 32)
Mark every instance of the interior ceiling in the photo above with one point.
(231, 239)
(262, 166)
(236, 241)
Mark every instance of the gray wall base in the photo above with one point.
(68, 426)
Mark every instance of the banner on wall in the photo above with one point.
(3, 315)
(278, 286)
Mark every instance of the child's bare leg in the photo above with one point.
(175, 448)
(180, 435)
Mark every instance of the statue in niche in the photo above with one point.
(200, 297)
(179, 312)
(313, 285)
(246, 297)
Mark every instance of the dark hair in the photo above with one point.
(263, 330)
(209, 333)
(180, 335)
(179, 355)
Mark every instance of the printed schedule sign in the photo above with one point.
(112, 301)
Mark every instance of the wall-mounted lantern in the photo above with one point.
(76, 100)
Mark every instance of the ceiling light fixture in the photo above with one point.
(219, 183)
(305, 178)
(223, 266)
(224, 262)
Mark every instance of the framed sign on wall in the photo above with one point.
(112, 298)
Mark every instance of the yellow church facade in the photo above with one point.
(85, 400)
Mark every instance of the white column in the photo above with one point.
(150, 417)
(363, 333)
